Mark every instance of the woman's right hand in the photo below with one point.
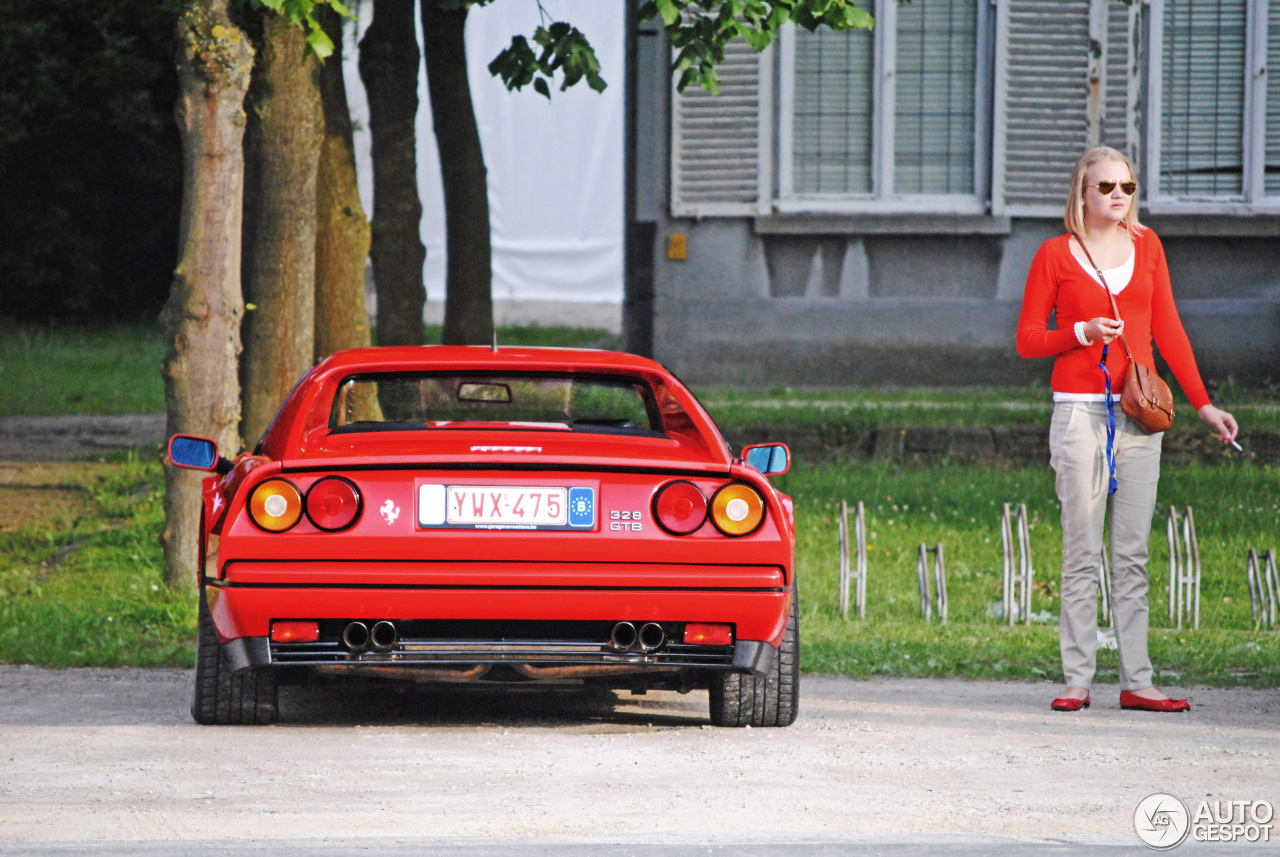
(1102, 329)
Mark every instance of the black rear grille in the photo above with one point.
(468, 643)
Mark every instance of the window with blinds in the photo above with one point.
(1203, 98)
(832, 137)
(935, 99)
(1214, 128)
(1271, 158)
(919, 73)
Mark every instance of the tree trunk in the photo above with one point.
(389, 68)
(342, 232)
(282, 152)
(468, 314)
(202, 315)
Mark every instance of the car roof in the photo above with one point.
(300, 430)
(463, 358)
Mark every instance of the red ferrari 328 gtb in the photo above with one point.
(460, 514)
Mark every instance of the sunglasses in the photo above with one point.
(1105, 188)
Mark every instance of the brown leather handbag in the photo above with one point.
(1144, 395)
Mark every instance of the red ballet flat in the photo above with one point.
(1133, 702)
(1069, 703)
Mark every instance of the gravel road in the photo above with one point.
(95, 754)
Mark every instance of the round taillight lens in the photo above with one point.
(680, 508)
(275, 505)
(333, 503)
(737, 509)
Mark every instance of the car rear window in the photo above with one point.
(585, 403)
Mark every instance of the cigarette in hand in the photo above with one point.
(1238, 447)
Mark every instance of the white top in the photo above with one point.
(1117, 278)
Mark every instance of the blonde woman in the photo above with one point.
(1102, 225)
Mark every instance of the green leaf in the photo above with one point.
(858, 19)
(667, 9)
(540, 85)
(320, 43)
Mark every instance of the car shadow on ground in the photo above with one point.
(367, 702)
(162, 697)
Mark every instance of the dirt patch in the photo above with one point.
(43, 494)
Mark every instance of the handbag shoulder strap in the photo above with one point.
(1114, 307)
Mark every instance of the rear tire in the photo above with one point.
(771, 700)
(223, 697)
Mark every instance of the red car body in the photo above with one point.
(474, 594)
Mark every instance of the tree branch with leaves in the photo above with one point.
(558, 54)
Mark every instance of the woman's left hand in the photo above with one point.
(1223, 424)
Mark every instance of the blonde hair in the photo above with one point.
(1074, 217)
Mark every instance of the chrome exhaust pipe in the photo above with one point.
(383, 636)
(651, 636)
(622, 637)
(356, 636)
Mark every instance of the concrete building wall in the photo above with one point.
(754, 306)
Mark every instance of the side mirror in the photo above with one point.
(771, 459)
(195, 453)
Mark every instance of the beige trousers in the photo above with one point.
(1078, 454)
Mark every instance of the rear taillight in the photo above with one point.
(680, 508)
(704, 634)
(295, 632)
(333, 503)
(275, 505)
(737, 509)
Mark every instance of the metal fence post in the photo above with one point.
(843, 528)
(860, 573)
(939, 582)
(1104, 586)
(1263, 589)
(853, 578)
(1018, 573)
(1006, 542)
(1184, 568)
(922, 579)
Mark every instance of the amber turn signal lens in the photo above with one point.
(703, 634)
(333, 503)
(295, 632)
(680, 508)
(736, 509)
(275, 505)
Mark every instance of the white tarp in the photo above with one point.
(555, 169)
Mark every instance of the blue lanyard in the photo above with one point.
(1111, 423)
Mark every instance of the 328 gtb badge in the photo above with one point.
(624, 522)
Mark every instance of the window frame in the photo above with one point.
(882, 200)
(1252, 198)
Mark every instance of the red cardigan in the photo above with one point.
(1058, 283)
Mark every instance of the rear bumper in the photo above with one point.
(754, 600)
(747, 656)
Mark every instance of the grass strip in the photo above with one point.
(57, 370)
(88, 591)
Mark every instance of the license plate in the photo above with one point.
(507, 507)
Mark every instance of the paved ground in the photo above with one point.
(111, 756)
(63, 438)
